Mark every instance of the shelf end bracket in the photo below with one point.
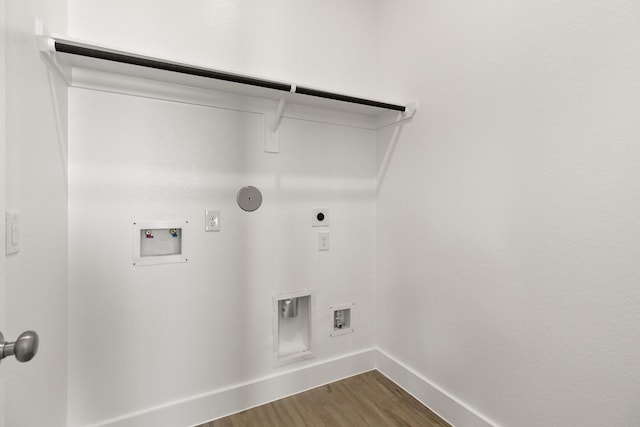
(272, 137)
(46, 45)
(401, 118)
(410, 110)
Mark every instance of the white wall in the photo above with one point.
(512, 265)
(329, 44)
(141, 337)
(506, 220)
(36, 278)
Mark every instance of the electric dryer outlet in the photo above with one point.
(320, 217)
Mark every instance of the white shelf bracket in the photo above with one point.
(397, 125)
(272, 137)
(46, 45)
(275, 122)
(411, 109)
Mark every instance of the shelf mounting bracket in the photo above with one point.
(275, 122)
(410, 110)
(46, 45)
(272, 137)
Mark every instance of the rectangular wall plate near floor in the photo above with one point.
(341, 319)
(293, 336)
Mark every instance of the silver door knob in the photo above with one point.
(24, 348)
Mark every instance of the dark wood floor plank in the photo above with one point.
(368, 399)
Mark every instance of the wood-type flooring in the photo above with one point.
(368, 399)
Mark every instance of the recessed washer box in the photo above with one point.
(292, 327)
(341, 319)
(159, 242)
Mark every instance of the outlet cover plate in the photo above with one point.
(212, 220)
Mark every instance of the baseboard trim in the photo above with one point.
(200, 409)
(439, 401)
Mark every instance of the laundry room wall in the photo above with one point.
(146, 338)
(512, 263)
(329, 44)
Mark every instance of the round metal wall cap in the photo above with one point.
(249, 198)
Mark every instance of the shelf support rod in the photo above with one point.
(50, 45)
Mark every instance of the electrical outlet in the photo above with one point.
(212, 220)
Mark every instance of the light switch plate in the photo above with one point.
(323, 241)
(12, 235)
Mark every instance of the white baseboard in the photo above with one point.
(199, 409)
(446, 406)
(206, 407)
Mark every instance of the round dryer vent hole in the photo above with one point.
(249, 198)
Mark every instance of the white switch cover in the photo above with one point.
(212, 220)
(323, 240)
(13, 232)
